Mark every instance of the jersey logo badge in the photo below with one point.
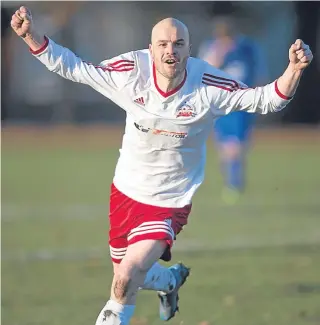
(185, 111)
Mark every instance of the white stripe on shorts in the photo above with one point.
(118, 249)
(118, 253)
(151, 227)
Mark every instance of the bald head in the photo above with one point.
(170, 47)
(170, 26)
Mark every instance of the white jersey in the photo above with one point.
(162, 159)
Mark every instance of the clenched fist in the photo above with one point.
(300, 55)
(21, 22)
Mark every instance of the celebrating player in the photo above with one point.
(170, 101)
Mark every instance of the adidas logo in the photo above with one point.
(140, 101)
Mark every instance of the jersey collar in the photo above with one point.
(171, 92)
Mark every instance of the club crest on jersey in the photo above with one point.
(185, 111)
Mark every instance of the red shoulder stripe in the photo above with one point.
(119, 68)
(219, 86)
(215, 78)
(116, 63)
(219, 82)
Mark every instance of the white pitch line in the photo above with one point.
(183, 246)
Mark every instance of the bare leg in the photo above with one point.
(129, 275)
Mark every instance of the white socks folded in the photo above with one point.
(114, 313)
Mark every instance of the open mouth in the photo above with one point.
(171, 61)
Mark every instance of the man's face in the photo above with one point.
(170, 50)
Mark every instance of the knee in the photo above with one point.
(232, 149)
(127, 279)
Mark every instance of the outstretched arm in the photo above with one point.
(273, 97)
(107, 78)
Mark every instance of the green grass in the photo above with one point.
(255, 263)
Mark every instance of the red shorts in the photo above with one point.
(132, 221)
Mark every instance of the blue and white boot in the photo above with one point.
(169, 301)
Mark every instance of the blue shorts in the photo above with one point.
(236, 125)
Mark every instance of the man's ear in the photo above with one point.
(150, 49)
(190, 48)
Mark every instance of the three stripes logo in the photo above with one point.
(219, 82)
(139, 101)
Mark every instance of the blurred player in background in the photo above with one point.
(242, 58)
(170, 101)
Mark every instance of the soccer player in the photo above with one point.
(170, 100)
(242, 58)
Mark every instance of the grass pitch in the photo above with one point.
(255, 263)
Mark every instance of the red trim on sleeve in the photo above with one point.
(279, 93)
(42, 48)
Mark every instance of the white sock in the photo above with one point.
(114, 313)
(159, 278)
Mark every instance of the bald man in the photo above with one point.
(170, 101)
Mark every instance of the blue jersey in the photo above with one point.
(243, 62)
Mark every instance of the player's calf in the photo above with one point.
(232, 155)
(123, 289)
(120, 308)
(126, 282)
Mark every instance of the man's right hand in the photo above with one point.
(21, 22)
